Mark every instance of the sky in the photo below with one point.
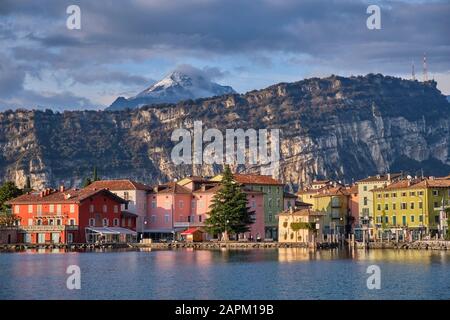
(125, 46)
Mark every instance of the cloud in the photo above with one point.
(325, 36)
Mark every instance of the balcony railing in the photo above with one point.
(48, 228)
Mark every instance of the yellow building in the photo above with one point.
(365, 195)
(333, 203)
(414, 206)
(302, 225)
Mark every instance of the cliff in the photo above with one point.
(336, 127)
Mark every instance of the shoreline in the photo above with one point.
(417, 245)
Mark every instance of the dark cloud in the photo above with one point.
(330, 34)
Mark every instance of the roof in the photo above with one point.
(302, 204)
(336, 191)
(302, 212)
(67, 196)
(421, 183)
(217, 187)
(196, 179)
(191, 231)
(353, 189)
(172, 187)
(320, 182)
(381, 177)
(116, 185)
(252, 179)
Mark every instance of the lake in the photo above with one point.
(226, 274)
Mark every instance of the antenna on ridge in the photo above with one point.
(425, 68)
(413, 71)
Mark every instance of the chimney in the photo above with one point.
(389, 177)
(61, 188)
(42, 194)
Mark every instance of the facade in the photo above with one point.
(365, 195)
(353, 207)
(273, 191)
(289, 200)
(133, 192)
(333, 203)
(310, 225)
(66, 216)
(413, 207)
(8, 235)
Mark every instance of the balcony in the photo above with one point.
(47, 228)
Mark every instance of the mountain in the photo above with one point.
(335, 127)
(177, 86)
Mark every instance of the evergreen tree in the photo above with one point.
(8, 191)
(87, 181)
(229, 213)
(94, 175)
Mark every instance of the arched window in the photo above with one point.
(92, 222)
(116, 222)
(105, 222)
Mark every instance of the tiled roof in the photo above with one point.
(320, 182)
(335, 191)
(173, 187)
(118, 185)
(417, 184)
(302, 212)
(381, 178)
(67, 196)
(256, 179)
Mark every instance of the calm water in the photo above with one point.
(239, 274)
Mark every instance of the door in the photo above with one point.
(69, 237)
(27, 237)
(55, 237)
(41, 237)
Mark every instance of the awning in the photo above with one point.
(163, 230)
(190, 231)
(111, 230)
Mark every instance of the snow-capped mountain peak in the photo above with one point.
(177, 86)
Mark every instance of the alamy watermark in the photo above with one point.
(73, 21)
(73, 281)
(374, 280)
(373, 22)
(252, 147)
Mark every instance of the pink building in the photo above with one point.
(174, 208)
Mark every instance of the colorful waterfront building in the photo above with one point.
(300, 225)
(333, 203)
(365, 196)
(272, 189)
(414, 207)
(133, 192)
(72, 216)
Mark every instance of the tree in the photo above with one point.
(229, 213)
(27, 187)
(8, 191)
(87, 181)
(94, 175)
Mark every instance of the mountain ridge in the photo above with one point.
(334, 127)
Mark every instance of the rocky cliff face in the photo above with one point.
(343, 128)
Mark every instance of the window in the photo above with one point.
(39, 209)
(16, 209)
(394, 206)
(386, 219)
(166, 218)
(270, 217)
(379, 195)
(153, 204)
(126, 195)
(91, 222)
(403, 194)
(105, 222)
(270, 203)
(436, 219)
(420, 193)
(116, 208)
(58, 209)
(72, 222)
(435, 193)
(39, 222)
(386, 195)
(421, 218)
(436, 204)
(412, 219)
(51, 222)
(365, 201)
(116, 222)
(403, 206)
(253, 204)
(413, 194)
(394, 220)
(153, 219)
(404, 220)
(200, 218)
(181, 204)
(386, 206)
(189, 219)
(378, 206)
(51, 208)
(30, 222)
(91, 208)
(394, 195)
(365, 188)
(420, 205)
(72, 208)
(58, 222)
(379, 219)
(411, 205)
(30, 208)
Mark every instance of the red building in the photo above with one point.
(72, 216)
